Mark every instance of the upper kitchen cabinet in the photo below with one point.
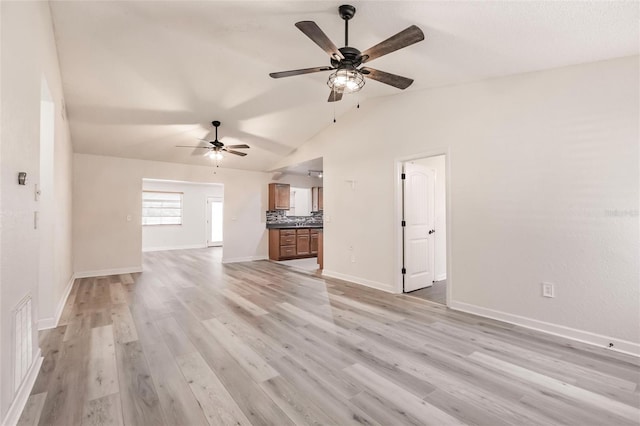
(316, 197)
(279, 196)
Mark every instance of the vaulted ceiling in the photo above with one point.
(142, 77)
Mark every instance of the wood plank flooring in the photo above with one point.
(436, 293)
(191, 341)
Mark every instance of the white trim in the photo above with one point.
(599, 340)
(357, 280)
(187, 247)
(22, 395)
(107, 272)
(244, 259)
(52, 322)
(441, 277)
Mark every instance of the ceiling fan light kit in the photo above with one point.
(346, 77)
(346, 80)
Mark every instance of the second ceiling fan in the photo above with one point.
(216, 148)
(347, 77)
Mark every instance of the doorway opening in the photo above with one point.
(180, 215)
(214, 221)
(424, 228)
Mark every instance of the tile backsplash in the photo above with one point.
(279, 217)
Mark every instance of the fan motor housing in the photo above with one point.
(352, 56)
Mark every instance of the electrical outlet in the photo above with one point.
(353, 258)
(547, 290)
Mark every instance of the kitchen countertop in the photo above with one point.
(288, 226)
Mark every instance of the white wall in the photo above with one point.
(193, 231)
(438, 163)
(300, 201)
(543, 183)
(108, 189)
(28, 55)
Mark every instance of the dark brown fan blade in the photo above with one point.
(242, 146)
(189, 146)
(298, 72)
(230, 151)
(313, 31)
(387, 78)
(334, 96)
(404, 38)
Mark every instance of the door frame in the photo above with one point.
(208, 220)
(399, 205)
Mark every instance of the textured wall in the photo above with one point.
(544, 187)
(28, 55)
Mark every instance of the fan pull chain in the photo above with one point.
(334, 112)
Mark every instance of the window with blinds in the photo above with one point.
(161, 208)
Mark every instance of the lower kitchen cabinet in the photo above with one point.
(292, 243)
(302, 242)
(313, 241)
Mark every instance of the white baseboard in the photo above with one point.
(52, 322)
(599, 340)
(357, 280)
(22, 395)
(106, 272)
(441, 277)
(243, 259)
(187, 247)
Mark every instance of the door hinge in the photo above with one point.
(403, 223)
(404, 271)
(403, 176)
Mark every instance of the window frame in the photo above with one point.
(181, 208)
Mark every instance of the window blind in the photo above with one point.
(161, 208)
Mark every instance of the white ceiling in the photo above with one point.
(141, 77)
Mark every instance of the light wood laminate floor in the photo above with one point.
(436, 293)
(191, 341)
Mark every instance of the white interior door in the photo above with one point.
(419, 197)
(214, 221)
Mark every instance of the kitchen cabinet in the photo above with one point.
(302, 242)
(279, 196)
(313, 241)
(316, 199)
(320, 250)
(292, 243)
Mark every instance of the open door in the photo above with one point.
(214, 221)
(419, 197)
